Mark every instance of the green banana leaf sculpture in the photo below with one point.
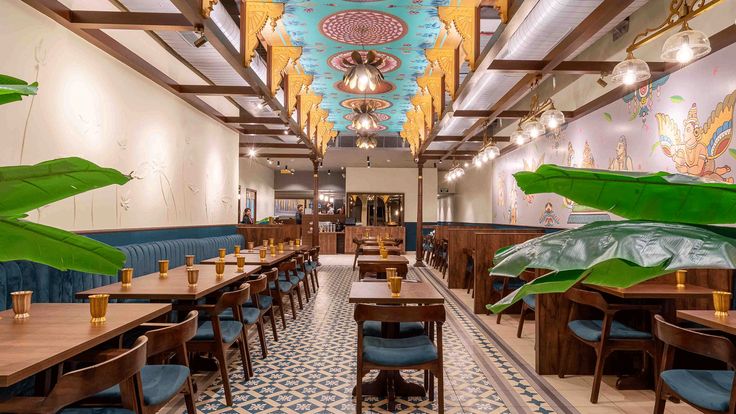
(27, 187)
(667, 231)
(657, 196)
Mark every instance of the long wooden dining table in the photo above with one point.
(254, 259)
(56, 332)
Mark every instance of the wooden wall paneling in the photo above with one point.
(459, 238)
(327, 243)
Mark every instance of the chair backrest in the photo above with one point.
(287, 266)
(711, 346)
(312, 254)
(171, 337)
(300, 261)
(587, 298)
(316, 253)
(233, 300)
(86, 382)
(383, 313)
(260, 284)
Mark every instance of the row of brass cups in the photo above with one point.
(22, 305)
(394, 282)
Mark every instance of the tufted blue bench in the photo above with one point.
(52, 285)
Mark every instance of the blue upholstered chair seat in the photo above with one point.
(531, 301)
(514, 283)
(250, 315)
(310, 266)
(108, 410)
(230, 330)
(264, 301)
(406, 329)
(284, 286)
(301, 275)
(590, 330)
(399, 352)
(160, 383)
(706, 389)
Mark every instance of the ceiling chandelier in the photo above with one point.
(487, 152)
(456, 171)
(541, 117)
(682, 47)
(365, 118)
(366, 141)
(363, 74)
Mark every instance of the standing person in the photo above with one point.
(299, 213)
(247, 217)
(330, 208)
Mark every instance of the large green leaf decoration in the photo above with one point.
(13, 89)
(637, 196)
(555, 282)
(22, 240)
(26, 187)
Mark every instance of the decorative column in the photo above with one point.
(420, 235)
(315, 203)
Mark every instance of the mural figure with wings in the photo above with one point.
(694, 149)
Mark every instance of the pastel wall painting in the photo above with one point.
(669, 125)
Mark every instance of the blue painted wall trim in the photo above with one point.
(123, 237)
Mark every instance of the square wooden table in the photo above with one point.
(254, 259)
(375, 263)
(56, 332)
(708, 318)
(175, 286)
(379, 294)
(666, 293)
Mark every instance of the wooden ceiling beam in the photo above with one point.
(456, 153)
(252, 120)
(84, 19)
(572, 67)
(455, 138)
(260, 130)
(510, 114)
(275, 145)
(216, 90)
(281, 156)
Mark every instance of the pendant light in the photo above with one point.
(533, 128)
(519, 137)
(552, 118)
(630, 71)
(366, 142)
(365, 118)
(685, 45)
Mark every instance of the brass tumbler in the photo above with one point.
(680, 277)
(192, 277)
(722, 303)
(98, 307)
(270, 241)
(395, 284)
(22, 303)
(241, 263)
(298, 242)
(390, 272)
(219, 269)
(281, 247)
(384, 254)
(221, 252)
(236, 249)
(126, 276)
(273, 250)
(251, 245)
(189, 259)
(163, 268)
(262, 254)
(265, 243)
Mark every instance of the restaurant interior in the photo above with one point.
(349, 206)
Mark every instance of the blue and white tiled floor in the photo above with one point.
(312, 367)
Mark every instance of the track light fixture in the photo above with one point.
(202, 39)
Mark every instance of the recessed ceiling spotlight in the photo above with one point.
(252, 152)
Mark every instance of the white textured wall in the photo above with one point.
(397, 180)
(92, 106)
(472, 201)
(260, 178)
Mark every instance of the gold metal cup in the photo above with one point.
(680, 277)
(251, 245)
(126, 277)
(189, 259)
(273, 250)
(237, 249)
(384, 254)
(298, 242)
(281, 247)
(395, 284)
(241, 263)
(193, 276)
(390, 272)
(291, 243)
(98, 307)
(163, 268)
(219, 270)
(270, 241)
(221, 252)
(721, 303)
(262, 254)
(265, 243)
(21, 303)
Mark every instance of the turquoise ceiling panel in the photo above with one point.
(398, 30)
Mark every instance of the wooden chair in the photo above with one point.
(217, 336)
(528, 306)
(264, 301)
(277, 295)
(311, 266)
(709, 391)
(288, 284)
(606, 335)
(427, 248)
(469, 279)
(358, 251)
(418, 352)
(122, 370)
(502, 286)
(252, 313)
(443, 257)
(301, 274)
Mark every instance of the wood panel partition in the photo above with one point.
(397, 232)
(259, 232)
(458, 240)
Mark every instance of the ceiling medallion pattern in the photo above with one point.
(390, 62)
(363, 27)
(378, 104)
(382, 87)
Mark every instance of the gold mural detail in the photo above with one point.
(325, 134)
(206, 7)
(294, 84)
(253, 18)
(410, 132)
(304, 104)
(502, 6)
(446, 59)
(279, 57)
(466, 20)
(316, 115)
(423, 102)
(433, 84)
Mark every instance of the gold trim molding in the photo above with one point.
(279, 57)
(446, 59)
(253, 18)
(434, 84)
(206, 7)
(294, 84)
(466, 20)
(304, 104)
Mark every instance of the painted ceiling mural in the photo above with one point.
(680, 123)
(399, 30)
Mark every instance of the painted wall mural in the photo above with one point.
(680, 123)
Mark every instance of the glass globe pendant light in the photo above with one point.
(519, 137)
(533, 127)
(552, 118)
(685, 45)
(492, 151)
(630, 71)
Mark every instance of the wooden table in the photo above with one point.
(666, 293)
(175, 286)
(374, 242)
(708, 318)
(379, 265)
(56, 332)
(375, 250)
(254, 259)
(379, 294)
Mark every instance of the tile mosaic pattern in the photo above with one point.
(312, 368)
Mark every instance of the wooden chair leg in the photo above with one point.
(440, 392)
(306, 288)
(272, 317)
(222, 362)
(244, 348)
(359, 390)
(316, 276)
(281, 311)
(189, 396)
(522, 316)
(659, 398)
(597, 376)
(262, 337)
(299, 296)
(293, 304)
